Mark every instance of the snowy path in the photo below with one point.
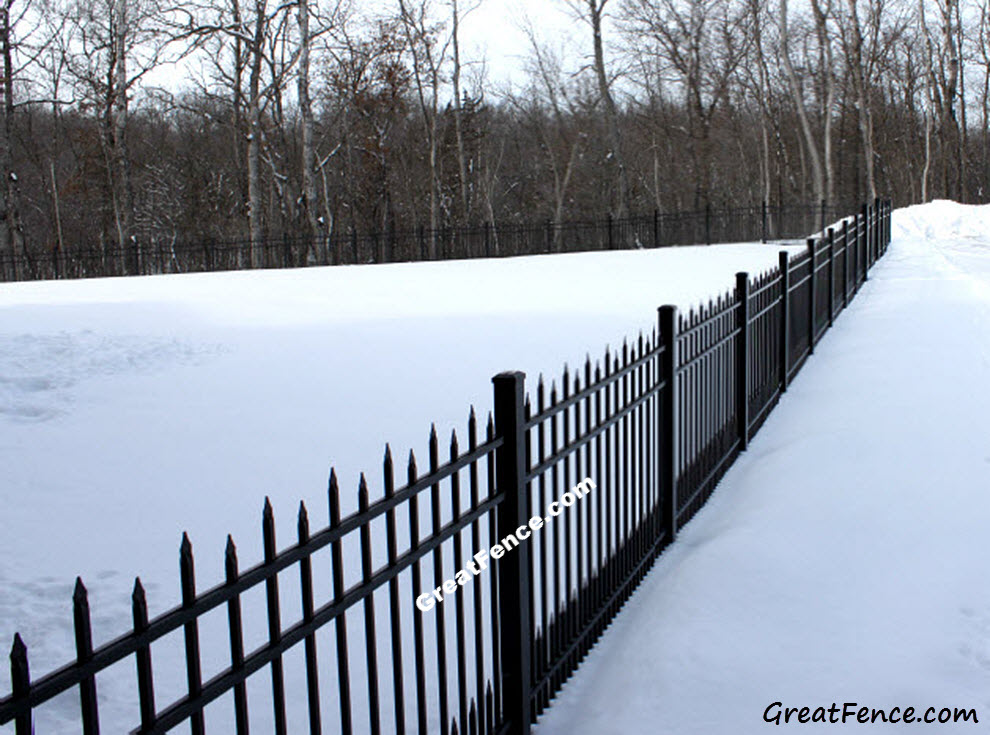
(846, 555)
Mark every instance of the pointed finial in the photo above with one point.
(362, 493)
(303, 522)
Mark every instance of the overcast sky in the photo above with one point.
(494, 31)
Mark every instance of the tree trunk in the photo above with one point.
(459, 135)
(124, 195)
(855, 52)
(11, 236)
(309, 203)
(255, 197)
(595, 10)
(802, 113)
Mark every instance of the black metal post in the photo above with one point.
(812, 277)
(668, 423)
(866, 241)
(742, 359)
(515, 613)
(785, 316)
(845, 263)
(611, 241)
(656, 228)
(831, 276)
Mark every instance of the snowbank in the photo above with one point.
(941, 220)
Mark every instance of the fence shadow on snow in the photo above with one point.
(655, 425)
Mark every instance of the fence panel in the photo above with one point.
(590, 483)
(163, 254)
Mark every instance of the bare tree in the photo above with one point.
(702, 43)
(11, 233)
(592, 12)
(110, 45)
(797, 94)
(429, 56)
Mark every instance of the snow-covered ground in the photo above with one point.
(134, 409)
(845, 556)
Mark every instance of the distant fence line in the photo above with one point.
(655, 425)
(659, 229)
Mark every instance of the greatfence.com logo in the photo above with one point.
(478, 564)
(777, 714)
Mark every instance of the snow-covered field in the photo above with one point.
(844, 558)
(134, 409)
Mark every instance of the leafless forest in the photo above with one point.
(306, 117)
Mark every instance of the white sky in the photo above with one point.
(494, 31)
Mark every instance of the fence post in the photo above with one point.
(890, 214)
(656, 228)
(668, 423)
(611, 243)
(513, 569)
(763, 238)
(831, 276)
(785, 317)
(742, 359)
(812, 277)
(866, 241)
(822, 219)
(708, 223)
(548, 238)
(845, 263)
(488, 240)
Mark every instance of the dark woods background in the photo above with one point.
(308, 118)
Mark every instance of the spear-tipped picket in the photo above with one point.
(274, 619)
(493, 578)
(459, 613)
(306, 586)
(340, 623)
(20, 679)
(236, 628)
(84, 652)
(473, 719)
(438, 578)
(395, 604)
(194, 675)
(478, 591)
(146, 687)
(419, 650)
(489, 710)
(370, 637)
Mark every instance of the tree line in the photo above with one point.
(316, 117)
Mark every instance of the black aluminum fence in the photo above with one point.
(654, 426)
(149, 257)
